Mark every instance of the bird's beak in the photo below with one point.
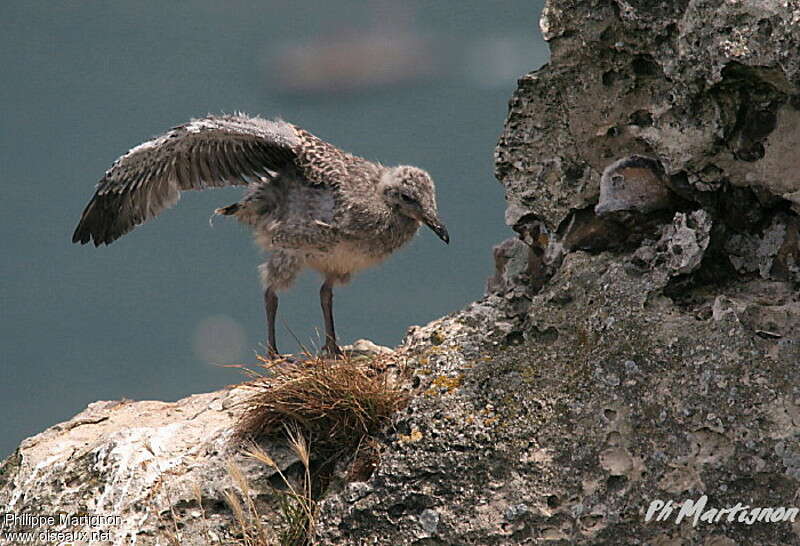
(438, 228)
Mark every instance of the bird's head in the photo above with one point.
(410, 192)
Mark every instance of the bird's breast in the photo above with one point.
(344, 259)
(363, 249)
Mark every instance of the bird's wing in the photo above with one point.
(321, 163)
(210, 152)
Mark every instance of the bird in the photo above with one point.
(308, 203)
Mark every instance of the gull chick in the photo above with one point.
(308, 203)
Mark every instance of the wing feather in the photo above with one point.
(210, 152)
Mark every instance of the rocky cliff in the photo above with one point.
(637, 342)
(640, 337)
(146, 472)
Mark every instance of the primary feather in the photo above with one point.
(210, 152)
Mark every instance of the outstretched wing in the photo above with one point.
(210, 152)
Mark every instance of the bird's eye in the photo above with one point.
(406, 198)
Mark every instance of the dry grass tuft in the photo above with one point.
(245, 512)
(335, 403)
(327, 411)
(297, 505)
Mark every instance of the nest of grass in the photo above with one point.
(336, 403)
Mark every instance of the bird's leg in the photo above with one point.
(271, 306)
(326, 299)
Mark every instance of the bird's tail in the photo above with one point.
(229, 210)
(244, 212)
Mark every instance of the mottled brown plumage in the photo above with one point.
(308, 203)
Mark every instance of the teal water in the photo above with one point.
(153, 315)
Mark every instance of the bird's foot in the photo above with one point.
(275, 361)
(332, 350)
(273, 354)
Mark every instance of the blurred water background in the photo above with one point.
(154, 315)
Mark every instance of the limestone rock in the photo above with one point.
(365, 347)
(157, 469)
(614, 397)
(656, 359)
(707, 89)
